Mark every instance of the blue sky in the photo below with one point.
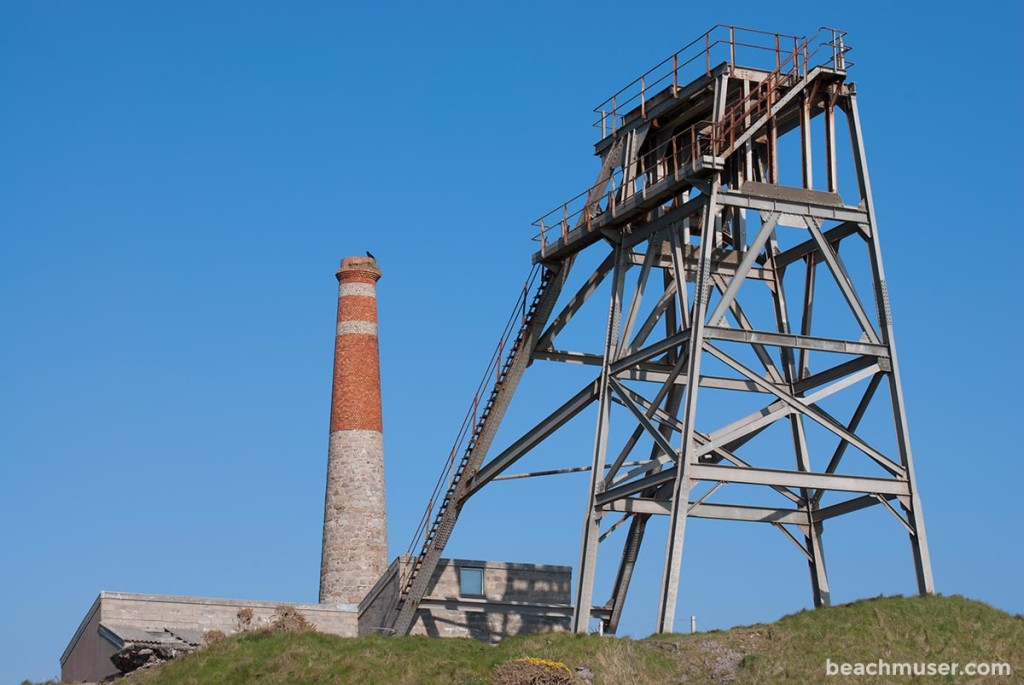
(178, 182)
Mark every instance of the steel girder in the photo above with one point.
(719, 234)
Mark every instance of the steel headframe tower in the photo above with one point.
(689, 185)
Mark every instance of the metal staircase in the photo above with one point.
(507, 363)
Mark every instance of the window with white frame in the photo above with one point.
(471, 581)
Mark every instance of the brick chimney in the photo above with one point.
(355, 547)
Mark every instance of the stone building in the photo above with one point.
(120, 618)
(486, 600)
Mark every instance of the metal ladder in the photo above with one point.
(458, 475)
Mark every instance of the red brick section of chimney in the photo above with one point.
(355, 548)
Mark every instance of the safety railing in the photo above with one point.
(625, 183)
(734, 45)
(705, 138)
(790, 68)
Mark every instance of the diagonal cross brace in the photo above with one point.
(810, 411)
(749, 258)
(842, 279)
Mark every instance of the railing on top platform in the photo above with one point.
(790, 67)
(720, 43)
(705, 138)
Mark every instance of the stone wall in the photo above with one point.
(201, 613)
(516, 599)
(87, 657)
(381, 599)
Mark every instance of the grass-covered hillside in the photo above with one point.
(792, 650)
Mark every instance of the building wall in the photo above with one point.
(201, 613)
(517, 598)
(87, 657)
(381, 599)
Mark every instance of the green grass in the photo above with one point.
(791, 650)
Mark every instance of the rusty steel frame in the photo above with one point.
(713, 225)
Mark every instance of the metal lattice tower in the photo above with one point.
(691, 185)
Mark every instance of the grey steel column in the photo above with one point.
(912, 507)
(687, 448)
(592, 518)
(791, 372)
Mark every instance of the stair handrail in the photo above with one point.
(471, 422)
(566, 216)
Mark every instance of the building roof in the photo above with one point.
(120, 634)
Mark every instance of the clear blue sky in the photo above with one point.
(179, 180)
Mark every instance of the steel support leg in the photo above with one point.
(630, 552)
(812, 540)
(635, 537)
(918, 539)
(637, 527)
(592, 519)
(687, 450)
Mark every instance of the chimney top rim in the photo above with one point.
(366, 265)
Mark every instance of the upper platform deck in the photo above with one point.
(695, 65)
(682, 119)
